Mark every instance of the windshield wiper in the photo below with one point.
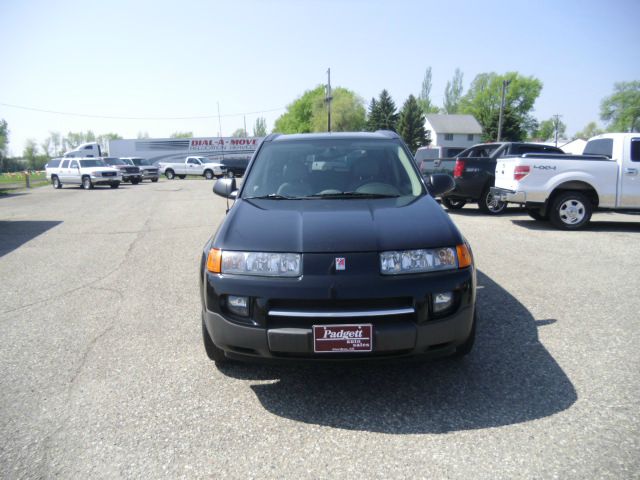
(272, 196)
(352, 195)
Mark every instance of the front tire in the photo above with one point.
(154, 180)
(536, 215)
(182, 177)
(86, 183)
(55, 181)
(208, 174)
(114, 184)
(214, 353)
(135, 181)
(453, 204)
(467, 346)
(491, 205)
(170, 174)
(570, 211)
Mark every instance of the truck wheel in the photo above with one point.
(182, 177)
(467, 346)
(490, 204)
(135, 181)
(453, 204)
(154, 180)
(536, 215)
(214, 353)
(86, 183)
(208, 174)
(570, 211)
(114, 184)
(169, 174)
(55, 181)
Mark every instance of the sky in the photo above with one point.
(159, 60)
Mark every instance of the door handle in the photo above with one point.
(631, 171)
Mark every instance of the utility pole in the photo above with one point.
(556, 124)
(245, 126)
(505, 84)
(328, 99)
(219, 122)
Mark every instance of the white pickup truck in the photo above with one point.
(566, 189)
(201, 166)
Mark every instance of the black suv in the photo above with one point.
(335, 249)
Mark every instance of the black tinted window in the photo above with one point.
(53, 163)
(65, 164)
(635, 149)
(74, 164)
(602, 146)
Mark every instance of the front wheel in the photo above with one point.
(490, 204)
(570, 211)
(453, 204)
(208, 174)
(536, 215)
(55, 181)
(135, 181)
(213, 352)
(86, 183)
(169, 174)
(114, 184)
(182, 177)
(154, 180)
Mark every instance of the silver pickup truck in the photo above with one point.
(201, 166)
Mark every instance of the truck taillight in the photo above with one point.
(459, 168)
(520, 172)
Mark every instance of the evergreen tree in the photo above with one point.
(373, 117)
(388, 117)
(411, 124)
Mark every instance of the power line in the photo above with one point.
(113, 117)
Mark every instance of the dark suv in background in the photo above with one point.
(129, 173)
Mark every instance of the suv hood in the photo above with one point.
(349, 225)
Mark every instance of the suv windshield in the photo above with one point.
(127, 161)
(92, 163)
(332, 168)
(138, 162)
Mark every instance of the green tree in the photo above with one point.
(181, 135)
(240, 133)
(143, 135)
(373, 119)
(513, 129)
(30, 153)
(482, 100)
(309, 112)
(260, 127)
(73, 139)
(387, 112)
(622, 108)
(46, 147)
(590, 130)
(547, 129)
(411, 124)
(297, 118)
(424, 99)
(453, 93)
(4, 143)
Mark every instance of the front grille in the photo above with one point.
(108, 174)
(151, 171)
(133, 170)
(353, 305)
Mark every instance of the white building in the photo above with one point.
(453, 130)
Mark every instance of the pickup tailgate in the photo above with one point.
(505, 168)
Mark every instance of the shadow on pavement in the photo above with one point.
(509, 378)
(594, 226)
(15, 233)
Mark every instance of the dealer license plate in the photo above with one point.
(342, 338)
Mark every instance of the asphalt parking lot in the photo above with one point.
(103, 373)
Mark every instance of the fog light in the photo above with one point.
(238, 305)
(442, 301)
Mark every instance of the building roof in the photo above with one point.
(454, 123)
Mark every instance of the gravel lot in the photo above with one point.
(103, 373)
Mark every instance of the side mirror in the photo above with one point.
(225, 187)
(440, 183)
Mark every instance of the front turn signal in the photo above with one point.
(214, 260)
(464, 256)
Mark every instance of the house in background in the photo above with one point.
(453, 130)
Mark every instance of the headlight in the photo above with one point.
(255, 263)
(96, 174)
(423, 260)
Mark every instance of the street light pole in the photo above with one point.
(328, 99)
(505, 84)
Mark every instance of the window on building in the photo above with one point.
(470, 137)
(448, 136)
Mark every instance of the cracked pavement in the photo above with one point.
(103, 373)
